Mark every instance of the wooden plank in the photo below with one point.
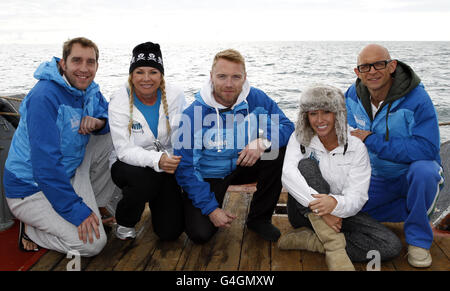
(440, 259)
(115, 249)
(48, 261)
(313, 261)
(283, 260)
(226, 252)
(167, 254)
(137, 256)
(444, 244)
(222, 252)
(256, 253)
(64, 263)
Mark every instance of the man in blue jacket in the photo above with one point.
(231, 134)
(61, 144)
(395, 118)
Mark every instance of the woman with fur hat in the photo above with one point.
(327, 174)
(143, 115)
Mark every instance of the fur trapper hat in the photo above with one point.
(321, 97)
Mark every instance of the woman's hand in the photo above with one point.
(169, 164)
(333, 221)
(323, 204)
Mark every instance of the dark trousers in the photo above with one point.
(140, 185)
(267, 175)
(362, 232)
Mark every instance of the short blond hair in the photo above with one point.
(229, 55)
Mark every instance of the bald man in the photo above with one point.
(395, 118)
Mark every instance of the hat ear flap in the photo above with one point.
(303, 130)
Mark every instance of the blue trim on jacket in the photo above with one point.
(211, 151)
(46, 148)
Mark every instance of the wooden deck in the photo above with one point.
(233, 249)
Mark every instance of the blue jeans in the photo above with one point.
(407, 198)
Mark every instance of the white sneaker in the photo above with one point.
(419, 257)
(125, 233)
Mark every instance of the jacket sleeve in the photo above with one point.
(101, 112)
(422, 144)
(46, 156)
(356, 187)
(187, 175)
(127, 151)
(291, 178)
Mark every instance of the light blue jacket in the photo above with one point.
(405, 128)
(46, 148)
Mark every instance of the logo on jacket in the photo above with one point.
(361, 122)
(137, 127)
(75, 123)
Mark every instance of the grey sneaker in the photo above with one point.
(125, 233)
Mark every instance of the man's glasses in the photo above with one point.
(380, 65)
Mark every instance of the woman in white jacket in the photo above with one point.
(143, 114)
(327, 174)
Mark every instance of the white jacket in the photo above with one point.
(139, 150)
(348, 175)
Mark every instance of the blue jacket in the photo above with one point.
(46, 148)
(405, 128)
(211, 139)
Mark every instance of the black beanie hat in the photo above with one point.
(147, 54)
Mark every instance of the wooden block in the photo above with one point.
(226, 252)
(222, 252)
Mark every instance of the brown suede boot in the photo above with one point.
(301, 238)
(333, 243)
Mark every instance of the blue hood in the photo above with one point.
(50, 71)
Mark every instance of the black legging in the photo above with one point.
(140, 185)
(362, 232)
(267, 174)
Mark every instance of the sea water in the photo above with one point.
(281, 69)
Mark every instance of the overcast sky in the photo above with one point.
(119, 21)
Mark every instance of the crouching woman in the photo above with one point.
(327, 174)
(143, 115)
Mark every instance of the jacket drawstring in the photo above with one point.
(387, 118)
(219, 135)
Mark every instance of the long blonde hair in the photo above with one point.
(162, 87)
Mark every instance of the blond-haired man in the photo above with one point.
(225, 133)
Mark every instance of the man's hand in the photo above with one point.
(90, 124)
(251, 153)
(221, 218)
(169, 164)
(361, 134)
(89, 225)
